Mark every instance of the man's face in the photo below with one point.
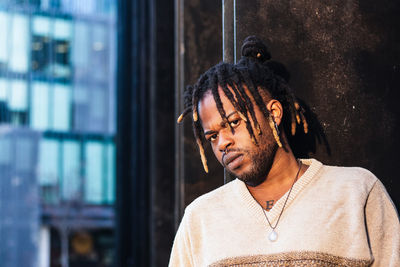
(235, 151)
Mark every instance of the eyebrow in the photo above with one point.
(230, 114)
(209, 132)
(227, 117)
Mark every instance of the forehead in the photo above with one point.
(208, 111)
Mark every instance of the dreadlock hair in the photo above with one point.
(243, 83)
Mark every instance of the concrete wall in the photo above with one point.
(344, 58)
(199, 46)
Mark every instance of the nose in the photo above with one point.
(225, 140)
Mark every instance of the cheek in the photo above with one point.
(217, 153)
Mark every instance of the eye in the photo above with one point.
(212, 138)
(234, 123)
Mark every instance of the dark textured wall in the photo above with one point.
(344, 57)
(202, 39)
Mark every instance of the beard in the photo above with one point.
(262, 160)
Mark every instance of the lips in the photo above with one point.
(232, 160)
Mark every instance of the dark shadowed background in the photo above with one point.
(344, 57)
(344, 60)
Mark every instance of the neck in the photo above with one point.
(279, 179)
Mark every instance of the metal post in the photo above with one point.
(179, 86)
(229, 31)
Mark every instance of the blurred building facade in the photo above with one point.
(57, 128)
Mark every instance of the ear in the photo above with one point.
(276, 110)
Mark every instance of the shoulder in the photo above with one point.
(348, 179)
(214, 200)
(350, 174)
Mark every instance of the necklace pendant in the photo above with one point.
(273, 236)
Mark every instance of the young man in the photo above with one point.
(280, 211)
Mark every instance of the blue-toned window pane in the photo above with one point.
(91, 109)
(24, 149)
(45, 4)
(81, 95)
(62, 29)
(49, 157)
(61, 107)
(80, 49)
(3, 90)
(98, 108)
(40, 106)
(100, 53)
(49, 162)
(79, 6)
(41, 44)
(106, 6)
(18, 99)
(19, 43)
(110, 173)
(41, 25)
(5, 151)
(4, 95)
(71, 178)
(62, 41)
(4, 26)
(94, 173)
(81, 110)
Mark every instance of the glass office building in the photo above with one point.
(57, 127)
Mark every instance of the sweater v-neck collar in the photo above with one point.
(273, 214)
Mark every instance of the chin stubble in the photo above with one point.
(262, 163)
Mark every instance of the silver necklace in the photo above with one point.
(273, 236)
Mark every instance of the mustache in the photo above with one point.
(226, 151)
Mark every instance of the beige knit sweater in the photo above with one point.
(335, 216)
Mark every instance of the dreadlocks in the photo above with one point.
(244, 84)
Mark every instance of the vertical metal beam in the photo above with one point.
(229, 30)
(179, 87)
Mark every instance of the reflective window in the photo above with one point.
(5, 151)
(57, 86)
(3, 89)
(49, 157)
(19, 46)
(71, 177)
(61, 107)
(80, 50)
(97, 110)
(100, 53)
(48, 161)
(81, 108)
(110, 183)
(4, 26)
(18, 102)
(4, 95)
(24, 149)
(94, 173)
(81, 95)
(40, 106)
(99, 104)
(18, 97)
(76, 6)
(61, 53)
(41, 25)
(41, 44)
